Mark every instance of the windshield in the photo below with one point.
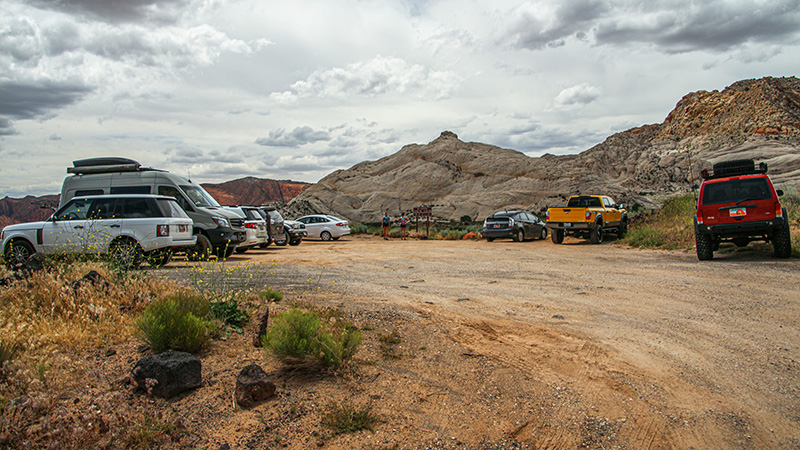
(199, 196)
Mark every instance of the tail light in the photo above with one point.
(699, 216)
(588, 215)
(162, 230)
(547, 216)
(340, 224)
(251, 225)
(778, 210)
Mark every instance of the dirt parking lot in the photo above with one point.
(537, 345)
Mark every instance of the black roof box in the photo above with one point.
(736, 167)
(103, 165)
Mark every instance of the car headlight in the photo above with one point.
(223, 223)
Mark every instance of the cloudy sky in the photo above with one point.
(222, 89)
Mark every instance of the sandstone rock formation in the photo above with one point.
(750, 119)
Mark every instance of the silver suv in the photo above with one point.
(129, 228)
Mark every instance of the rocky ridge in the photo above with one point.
(757, 119)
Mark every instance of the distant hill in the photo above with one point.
(750, 119)
(250, 190)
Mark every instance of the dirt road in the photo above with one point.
(537, 345)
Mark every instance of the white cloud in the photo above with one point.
(579, 95)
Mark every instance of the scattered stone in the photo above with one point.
(558, 316)
(93, 278)
(253, 385)
(463, 299)
(262, 329)
(110, 352)
(403, 287)
(167, 374)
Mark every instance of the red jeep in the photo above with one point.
(738, 204)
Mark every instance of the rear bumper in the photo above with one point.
(743, 229)
(572, 226)
(498, 233)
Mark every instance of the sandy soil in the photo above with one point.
(524, 345)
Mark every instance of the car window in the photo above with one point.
(88, 192)
(102, 208)
(130, 190)
(172, 191)
(138, 208)
(276, 216)
(199, 196)
(305, 220)
(76, 209)
(732, 191)
(171, 208)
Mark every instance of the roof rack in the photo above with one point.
(736, 167)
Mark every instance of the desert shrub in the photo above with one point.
(223, 281)
(302, 336)
(270, 294)
(669, 227)
(347, 418)
(177, 321)
(229, 313)
(358, 228)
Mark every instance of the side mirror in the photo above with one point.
(621, 206)
(779, 192)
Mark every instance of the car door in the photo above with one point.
(103, 224)
(66, 230)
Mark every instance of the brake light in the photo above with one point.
(162, 230)
(699, 216)
(778, 210)
(251, 225)
(547, 215)
(588, 215)
(340, 224)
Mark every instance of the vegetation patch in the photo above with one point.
(304, 337)
(348, 418)
(177, 321)
(670, 227)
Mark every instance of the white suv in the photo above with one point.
(127, 227)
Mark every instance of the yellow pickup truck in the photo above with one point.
(587, 217)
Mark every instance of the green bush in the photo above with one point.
(270, 294)
(669, 227)
(347, 418)
(298, 335)
(177, 321)
(229, 313)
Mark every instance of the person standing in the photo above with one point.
(403, 221)
(386, 221)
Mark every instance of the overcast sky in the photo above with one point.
(222, 89)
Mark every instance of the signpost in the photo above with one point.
(423, 211)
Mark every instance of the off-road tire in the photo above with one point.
(519, 236)
(596, 234)
(782, 241)
(705, 247)
(201, 250)
(224, 251)
(325, 236)
(17, 254)
(732, 167)
(622, 230)
(557, 236)
(126, 254)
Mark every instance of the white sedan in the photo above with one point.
(325, 227)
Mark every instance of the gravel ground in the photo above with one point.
(537, 345)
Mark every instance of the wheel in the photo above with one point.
(623, 228)
(126, 254)
(557, 236)
(282, 242)
(224, 251)
(704, 246)
(263, 245)
(596, 234)
(782, 241)
(296, 241)
(159, 258)
(489, 239)
(519, 236)
(241, 249)
(17, 254)
(325, 236)
(201, 250)
(543, 234)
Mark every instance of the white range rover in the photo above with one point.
(129, 228)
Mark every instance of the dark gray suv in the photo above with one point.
(516, 225)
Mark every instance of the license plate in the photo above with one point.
(567, 225)
(738, 212)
